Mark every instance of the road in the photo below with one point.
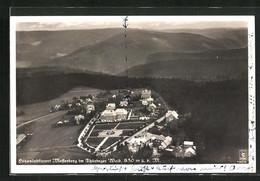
(44, 118)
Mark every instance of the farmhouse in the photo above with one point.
(90, 108)
(146, 94)
(121, 114)
(111, 106)
(170, 116)
(187, 144)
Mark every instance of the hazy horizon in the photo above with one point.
(134, 22)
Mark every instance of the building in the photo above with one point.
(123, 103)
(166, 142)
(190, 152)
(90, 108)
(88, 100)
(111, 106)
(187, 144)
(108, 116)
(151, 107)
(170, 116)
(149, 100)
(150, 139)
(146, 94)
(121, 114)
(20, 139)
(144, 102)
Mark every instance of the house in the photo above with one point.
(66, 121)
(90, 108)
(108, 116)
(190, 152)
(166, 142)
(121, 114)
(78, 118)
(170, 116)
(111, 106)
(59, 123)
(178, 152)
(88, 100)
(20, 139)
(57, 107)
(151, 107)
(146, 94)
(144, 102)
(187, 144)
(149, 100)
(123, 103)
(114, 96)
(136, 143)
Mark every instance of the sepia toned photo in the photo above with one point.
(132, 94)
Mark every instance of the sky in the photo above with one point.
(140, 22)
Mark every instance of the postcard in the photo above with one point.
(132, 94)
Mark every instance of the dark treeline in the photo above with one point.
(219, 109)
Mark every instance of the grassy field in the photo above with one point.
(95, 132)
(105, 126)
(130, 125)
(36, 110)
(46, 136)
(94, 141)
(109, 142)
(49, 142)
(126, 132)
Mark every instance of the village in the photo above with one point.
(134, 121)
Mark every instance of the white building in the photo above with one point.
(121, 114)
(171, 115)
(149, 100)
(151, 107)
(111, 106)
(149, 139)
(146, 94)
(90, 108)
(108, 116)
(187, 144)
(144, 102)
(123, 103)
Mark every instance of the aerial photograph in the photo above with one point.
(132, 90)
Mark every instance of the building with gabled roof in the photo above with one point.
(190, 152)
(90, 107)
(146, 94)
(171, 115)
(108, 116)
(20, 138)
(121, 113)
(123, 103)
(111, 106)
